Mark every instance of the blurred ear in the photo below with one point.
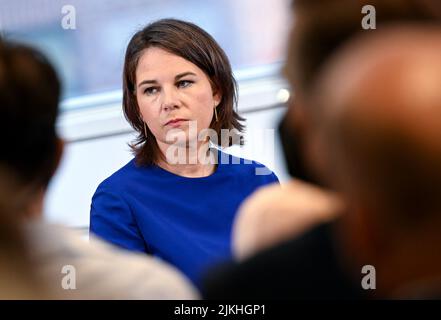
(59, 150)
(296, 114)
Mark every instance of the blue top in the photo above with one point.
(185, 221)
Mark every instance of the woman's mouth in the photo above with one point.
(175, 122)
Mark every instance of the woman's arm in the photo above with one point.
(111, 219)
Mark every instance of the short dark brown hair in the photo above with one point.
(192, 43)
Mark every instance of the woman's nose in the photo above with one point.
(170, 99)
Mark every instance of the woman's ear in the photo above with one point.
(217, 100)
(217, 94)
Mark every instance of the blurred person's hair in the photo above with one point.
(195, 45)
(322, 26)
(29, 97)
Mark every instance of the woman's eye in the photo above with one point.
(184, 83)
(150, 90)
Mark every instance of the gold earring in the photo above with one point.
(145, 130)
(215, 113)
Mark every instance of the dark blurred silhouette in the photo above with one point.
(379, 125)
(321, 27)
(376, 121)
(29, 91)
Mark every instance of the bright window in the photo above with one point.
(89, 58)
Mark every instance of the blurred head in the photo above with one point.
(378, 123)
(29, 96)
(320, 28)
(175, 70)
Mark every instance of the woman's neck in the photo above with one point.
(187, 161)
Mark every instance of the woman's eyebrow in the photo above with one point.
(147, 82)
(181, 75)
(177, 77)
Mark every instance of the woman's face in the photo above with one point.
(169, 88)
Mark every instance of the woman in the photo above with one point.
(38, 260)
(178, 197)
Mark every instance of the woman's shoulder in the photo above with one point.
(246, 167)
(118, 180)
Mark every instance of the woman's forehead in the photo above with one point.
(156, 62)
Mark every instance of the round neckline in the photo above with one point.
(216, 172)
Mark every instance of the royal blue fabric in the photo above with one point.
(184, 221)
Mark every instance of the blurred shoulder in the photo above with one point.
(97, 266)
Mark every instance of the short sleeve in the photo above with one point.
(112, 220)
